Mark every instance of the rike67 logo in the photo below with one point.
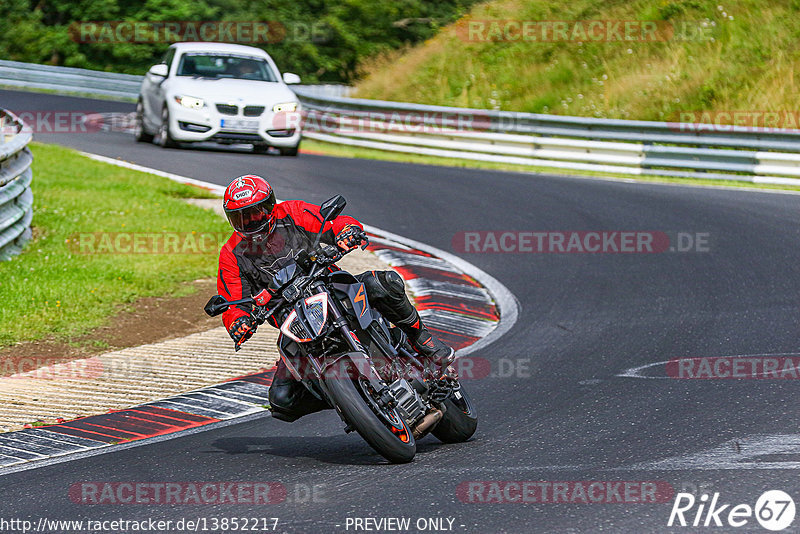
(774, 510)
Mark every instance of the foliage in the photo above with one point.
(322, 40)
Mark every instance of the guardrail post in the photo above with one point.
(16, 197)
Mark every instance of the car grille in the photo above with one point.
(227, 109)
(253, 111)
(237, 136)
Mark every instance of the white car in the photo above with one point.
(222, 93)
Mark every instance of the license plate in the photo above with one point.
(239, 125)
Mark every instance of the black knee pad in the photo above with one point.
(289, 400)
(280, 396)
(393, 283)
(386, 292)
(381, 285)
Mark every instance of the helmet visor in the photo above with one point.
(252, 219)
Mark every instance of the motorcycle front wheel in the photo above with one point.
(382, 428)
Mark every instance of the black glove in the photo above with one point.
(241, 330)
(350, 237)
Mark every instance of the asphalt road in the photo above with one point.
(563, 414)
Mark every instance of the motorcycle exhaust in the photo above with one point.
(430, 419)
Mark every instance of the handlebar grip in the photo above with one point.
(262, 316)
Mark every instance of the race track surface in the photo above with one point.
(564, 414)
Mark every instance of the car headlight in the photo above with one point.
(286, 106)
(190, 102)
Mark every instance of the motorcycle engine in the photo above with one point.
(408, 400)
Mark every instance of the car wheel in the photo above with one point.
(260, 148)
(290, 151)
(139, 132)
(165, 139)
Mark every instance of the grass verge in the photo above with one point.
(58, 288)
(344, 151)
(736, 55)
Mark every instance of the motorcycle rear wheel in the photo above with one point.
(460, 420)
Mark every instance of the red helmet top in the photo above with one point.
(245, 191)
(248, 203)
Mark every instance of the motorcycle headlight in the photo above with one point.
(315, 312)
(293, 328)
(285, 107)
(190, 102)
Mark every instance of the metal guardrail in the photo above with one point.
(68, 79)
(108, 84)
(682, 150)
(16, 197)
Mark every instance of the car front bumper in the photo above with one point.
(188, 125)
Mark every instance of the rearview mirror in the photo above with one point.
(160, 70)
(332, 207)
(290, 78)
(216, 305)
(329, 210)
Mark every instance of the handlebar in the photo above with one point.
(263, 313)
(322, 257)
(319, 260)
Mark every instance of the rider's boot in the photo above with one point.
(428, 345)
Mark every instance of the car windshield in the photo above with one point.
(225, 66)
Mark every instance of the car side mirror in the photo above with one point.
(161, 70)
(216, 305)
(332, 207)
(290, 78)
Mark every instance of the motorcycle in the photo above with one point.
(349, 356)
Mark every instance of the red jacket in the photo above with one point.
(246, 267)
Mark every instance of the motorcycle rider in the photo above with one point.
(266, 237)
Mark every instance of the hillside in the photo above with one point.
(711, 56)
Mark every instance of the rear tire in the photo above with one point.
(139, 133)
(460, 420)
(346, 394)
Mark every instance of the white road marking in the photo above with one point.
(740, 454)
(635, 372)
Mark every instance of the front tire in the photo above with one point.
(460, 420)
(291, 151)
(139, 132)
(165, 139)
(397, 446)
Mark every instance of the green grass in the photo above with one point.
(37, 423)
(343, 151)
(55, 288)
(745, 60)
